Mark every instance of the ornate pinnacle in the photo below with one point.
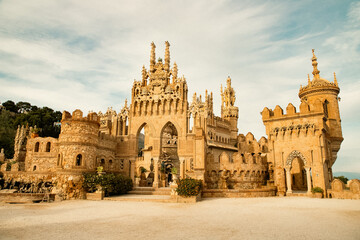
(144, 76)
(125, 102)
(152, 56)
(309, 80)
(167, 56)
(314, 64)
(228, 82)
(335, 80)
(175, 71)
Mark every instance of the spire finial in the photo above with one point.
(314, 64)
(125, 102)
(309, 79)
(167, 56)
(144, 76)
(152, 56)
(228, 82)
(335, 80)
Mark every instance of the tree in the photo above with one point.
(343, 179)
(23, 107)
(7, 133)
(10, 106)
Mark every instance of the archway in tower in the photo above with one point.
(298, 175)
(170, 164)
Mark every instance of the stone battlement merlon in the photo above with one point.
(306, 110)
(77, 115)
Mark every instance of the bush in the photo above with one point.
(189, 187)
(112, 184)
(317, 190)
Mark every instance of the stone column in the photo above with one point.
(288, 180)
(182, 167)
(124, 127)
(308, 178)
(132, 170)
(156, 174)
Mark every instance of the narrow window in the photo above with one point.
(78, 160)
(48, 147)
(34, 168)
(37, 147)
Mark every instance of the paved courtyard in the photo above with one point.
(243, 218)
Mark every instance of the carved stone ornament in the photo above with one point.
(293, 155)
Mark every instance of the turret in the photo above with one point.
(320, 89)
(228, 110)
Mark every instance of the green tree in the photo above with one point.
(10, 106)
(343, 179)
(7, 133)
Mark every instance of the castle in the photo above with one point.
(164, 133)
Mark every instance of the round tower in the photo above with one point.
(325, 92)
(78, 141)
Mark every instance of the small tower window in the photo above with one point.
(48, 146)
(37, 144)
(102, 162)
(78, 160)
(34, 168)
(58, 160)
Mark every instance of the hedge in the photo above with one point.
(189, 187)
(112, 184)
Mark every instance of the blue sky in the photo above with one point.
(86, 54)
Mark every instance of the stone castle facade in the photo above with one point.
(171, 136)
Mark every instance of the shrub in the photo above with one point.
(189, 187)
(317, 190)
(112, 184)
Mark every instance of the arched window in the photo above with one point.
(34, 168)
(102, 162)
(110, 162)
(78, 160)
(48, 146)
(37, 145)
(58, 160)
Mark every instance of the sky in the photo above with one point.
(85, 55)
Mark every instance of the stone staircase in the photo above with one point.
(145, 194)
(151, 191)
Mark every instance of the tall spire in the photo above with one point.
(314, 64)
(175, 71)
(335, 80)
(152, 56)
(309, 79)
(144, 76)
(167, 56)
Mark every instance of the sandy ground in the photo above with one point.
(242, 218)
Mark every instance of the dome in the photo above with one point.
(319, 82)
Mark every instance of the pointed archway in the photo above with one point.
(169, 158)
(298, 175)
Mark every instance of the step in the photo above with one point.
(140, 198)
(150, 191)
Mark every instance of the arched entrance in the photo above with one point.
(169, 158)
(297, 173)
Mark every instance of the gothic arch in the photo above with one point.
(293, 155)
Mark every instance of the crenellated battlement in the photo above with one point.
(77, 115)
(305, 109)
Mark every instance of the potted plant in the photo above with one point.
(318, 192)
